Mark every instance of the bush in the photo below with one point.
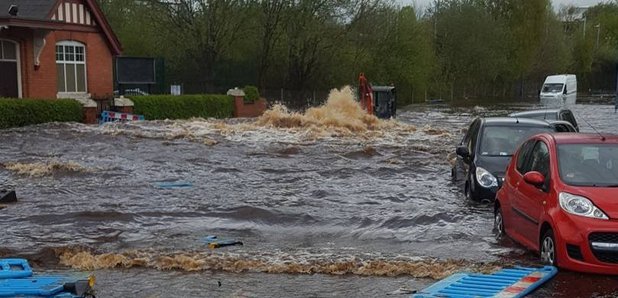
(21, 112)
(251, 93)
(183, 106)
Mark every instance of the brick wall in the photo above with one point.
(248, 109)
(98, 60)
(42, 82)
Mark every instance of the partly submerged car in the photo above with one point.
(560, 198)
(549, 115)
(485, 151)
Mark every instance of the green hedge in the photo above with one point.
(183, 106)
(21, 112)
(251, 93)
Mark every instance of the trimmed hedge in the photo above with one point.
(21, 112)
(251, 93)
(183, 106)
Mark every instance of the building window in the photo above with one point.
(7, 51)
(71, 66)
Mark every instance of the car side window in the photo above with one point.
(470, 142)
(523, 155)
(466, 136)
(540, 159)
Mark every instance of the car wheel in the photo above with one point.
(499, 223)
(548, 248)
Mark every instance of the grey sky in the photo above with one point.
(556, 3)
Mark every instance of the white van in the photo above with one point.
(559, 90)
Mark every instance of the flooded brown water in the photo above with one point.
(330, 203)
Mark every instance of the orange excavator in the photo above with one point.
(377, 100)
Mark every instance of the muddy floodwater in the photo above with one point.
(330, 203)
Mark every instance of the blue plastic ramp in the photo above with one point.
(511, 283)
(14, 268)
(40, 286)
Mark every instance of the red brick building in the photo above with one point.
(55, 49)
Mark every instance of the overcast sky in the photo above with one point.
(556, 3)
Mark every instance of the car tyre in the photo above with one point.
(499, 223)
(548, 248)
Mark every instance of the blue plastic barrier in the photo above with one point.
(18, 281)
(513, 283)
(14, 268)
(108, 116)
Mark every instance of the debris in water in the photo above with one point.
(402, 291)
(214, 242)
(7, 196)
(270, 263)
(40, 169)
(173, 184)
(210, 142)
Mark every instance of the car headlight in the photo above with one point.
(579, 206)
(485, 178)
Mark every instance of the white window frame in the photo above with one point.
(17, 60)
(74, 44)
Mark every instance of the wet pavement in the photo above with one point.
(350, 209)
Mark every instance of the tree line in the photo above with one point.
(454, 49)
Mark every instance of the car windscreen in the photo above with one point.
(552, 88)
(588, 164)
(541, 116)
(504, 140)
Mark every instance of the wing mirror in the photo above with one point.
(462, 151)
(535, 178)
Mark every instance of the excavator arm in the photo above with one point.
(365, 94)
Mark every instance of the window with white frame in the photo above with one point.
(71, 66)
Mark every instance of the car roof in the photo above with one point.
(536, 112)
(583, 138)
(382, 88)
(491, 121)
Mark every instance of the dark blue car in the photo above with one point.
(486, 149)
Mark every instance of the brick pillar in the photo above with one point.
(89, 110)
(249, 109)
(123, 105)
(90, 115)
(239, 103)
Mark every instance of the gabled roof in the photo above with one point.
(37, 14)
(31, 9)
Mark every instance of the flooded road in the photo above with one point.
(329, 204)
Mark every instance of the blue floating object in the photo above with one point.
(32, 286)
(214, 242)
(18, 282)
(14, 268)
(512, 283)
(173, 184)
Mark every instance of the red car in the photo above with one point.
(560, 197)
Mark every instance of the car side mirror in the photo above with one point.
(462, 151)
(535, 178)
